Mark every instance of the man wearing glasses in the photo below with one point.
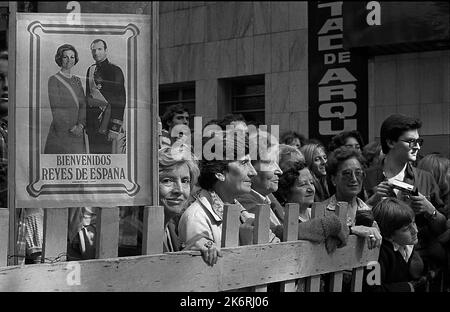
(400, 142)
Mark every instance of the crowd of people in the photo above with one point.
(395, 201)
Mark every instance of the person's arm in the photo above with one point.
(436, 219)
(196, 234)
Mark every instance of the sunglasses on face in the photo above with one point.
(348, 174)
(414, 142)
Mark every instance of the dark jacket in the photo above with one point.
(395, 271)
(112, 87)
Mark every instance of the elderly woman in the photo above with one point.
(178, 174)
(225, 173)
(316, 160)
(296, 185)
(345, 166)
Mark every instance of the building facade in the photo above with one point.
(252, 58)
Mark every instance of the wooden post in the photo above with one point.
(54, 245)
(107, 236)
(12, 132)
(313, 282)
(153, 230)
(4, 229)
(336, 278)
(290, 233)
(230, 226)
(357, 279)
(261, 232)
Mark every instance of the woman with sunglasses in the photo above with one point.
(345, 166)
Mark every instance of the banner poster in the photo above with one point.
(338, 78)
(82, 110)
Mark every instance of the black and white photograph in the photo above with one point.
(223, 153)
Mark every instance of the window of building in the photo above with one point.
(247, 98)
(171, 94)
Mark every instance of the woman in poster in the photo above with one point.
(68, 106)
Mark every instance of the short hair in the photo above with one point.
(439, 167)
(170, 113)
(209, 168)
(99, 40)
(392, 214)
(289, 136)
(339, 139)
(394, 126)
(341, 154)
(60, 51)
(287, 180)
(308, 151)
(176, 155)
(289, 156)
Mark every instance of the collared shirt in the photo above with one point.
(250, 200)
(352, 208)
(405, 250)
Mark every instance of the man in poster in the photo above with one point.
(105, 93)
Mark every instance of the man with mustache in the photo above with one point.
(400, 141)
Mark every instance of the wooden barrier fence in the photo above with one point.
(297, 264)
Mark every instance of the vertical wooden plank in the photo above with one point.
(261, 232)
(4, 229)
(154, 107)
(230, 226)
(313, 282)
(317, 210)
(12, 132)
(336, 278)
(290, 233)
(107, 236)
(54, 246)
(357, 279)
(153, 230)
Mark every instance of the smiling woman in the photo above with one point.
(221, 181)
(178, 173)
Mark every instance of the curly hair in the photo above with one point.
(339, 139)
(341, 154)
(287, 180)
(394, 126)
(176, 155)
(60, 52)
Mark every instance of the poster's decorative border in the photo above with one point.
(33, 188)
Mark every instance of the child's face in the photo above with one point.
(406, 235)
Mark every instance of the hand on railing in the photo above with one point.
(371, 233)
(209, 250)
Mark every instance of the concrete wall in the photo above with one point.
(206, 41)
(415, 84)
